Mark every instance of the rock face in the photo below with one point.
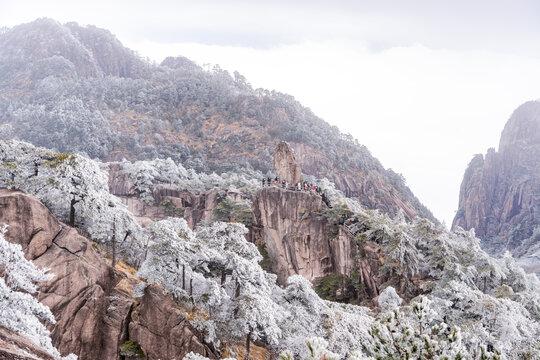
(297, 239)
(15, 347)
(159, 326)
(192, 207)
(500, 193)
(286, 165)
(93, 307)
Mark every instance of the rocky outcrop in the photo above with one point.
(159, 326)
(298, 240)
(92, 304)
(195, 207)
(16, 347)
(285, 164)
(169, 200)
(500, 193)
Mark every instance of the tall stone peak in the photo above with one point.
(523, 128)
(285, 164)
(500, 192)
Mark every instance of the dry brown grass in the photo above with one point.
(125, 269)
(128, 281)
(238, 351)
(125, 285)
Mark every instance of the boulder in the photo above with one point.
(285, 164)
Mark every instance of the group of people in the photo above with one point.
(304, 185)
(301, 186)
(308, 187)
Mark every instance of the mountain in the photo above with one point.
(78, 89)
(207, 289)
(188, 251)
(500, 192)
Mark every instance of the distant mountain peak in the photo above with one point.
(500, 192)
(523, 127)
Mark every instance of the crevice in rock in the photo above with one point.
(52, 242)
(124, 334)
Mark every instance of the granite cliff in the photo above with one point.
(298, 240)
(500, 192)
(93, 304)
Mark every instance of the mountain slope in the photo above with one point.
(500, 193)
(214, 271)
(78, 89)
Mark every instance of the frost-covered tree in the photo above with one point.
(249, 309)
(412, 333)
(224, 278)
(75, 189)
(176, 260)
(19, 310)
(389, 299)
(195, 356)
(147, 174)
(344, 327)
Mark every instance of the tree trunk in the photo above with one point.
(237, 290)
(72, 212)
(223, 277)
(191, 289)
(183, 276)
(113, 262)
(236, 295)
(248, 338)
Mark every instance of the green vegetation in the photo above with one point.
(170, 209)
(59, 159)
(266, 262)
(303, 214)
(131, 349)
(335, 287)
(9, 165)
(230, 210)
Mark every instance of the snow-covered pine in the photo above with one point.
(146, 174)
(58, 179)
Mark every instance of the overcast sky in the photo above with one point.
(424, 85)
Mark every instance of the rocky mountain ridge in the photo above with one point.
(500, 192)
(77, 89)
